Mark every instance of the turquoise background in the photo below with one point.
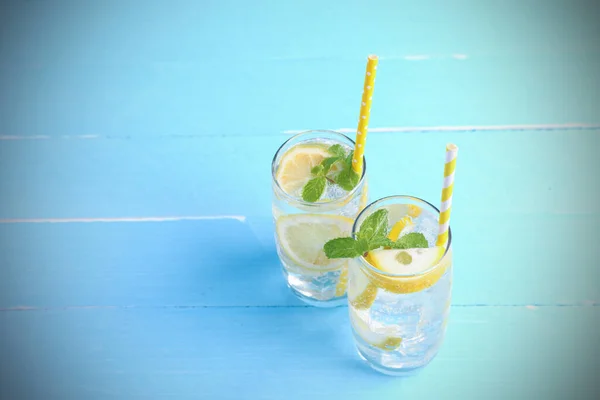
(137, 258)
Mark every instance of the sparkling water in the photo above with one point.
(320, 286)
(400, 331)
(419, 319)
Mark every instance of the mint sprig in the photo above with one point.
(314, 188)
(347, 179)
(372, 235)
(413, 240)
(374, 227)
(337, 150)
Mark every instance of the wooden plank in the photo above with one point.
(498, 173)
(162, 120)
(142, 99)
(191, 30)
(522, 261)
(299, 353)
(520, 200)
(77, 69)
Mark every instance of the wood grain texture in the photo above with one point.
(498, 173)
(211, 67)
(190, 263)
(268, 353)
(135, 148)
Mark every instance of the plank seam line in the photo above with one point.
(406, 57)
(465, 128)
(240, 218)
(109, 307)
(392, 129)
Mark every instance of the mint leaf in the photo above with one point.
(413, 240)
(375, 226)
(341, 248)
(313, 190)
(347, 179)
(317, 169)
(371, 236)
(348, 159)
(337, 150)
(362, 246)
(380, 242)
(327, 163)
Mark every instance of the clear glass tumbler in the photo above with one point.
(302, 228)
(399, 320)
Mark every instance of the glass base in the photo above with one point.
(394, 363)
(317, 290)
(400, 372)
(334, 302)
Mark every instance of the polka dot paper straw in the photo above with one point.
(365, 111)
(446, 206)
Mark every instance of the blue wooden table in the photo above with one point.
(137, 258)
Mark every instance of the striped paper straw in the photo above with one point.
(446, 207)
(365, 112)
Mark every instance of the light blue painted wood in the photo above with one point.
(253, 67)
(499, 173)
(271, 353)
(267, 97)
(173, 96)
(517, 195)
(523, 261)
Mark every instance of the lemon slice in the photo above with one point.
(409, 262)
(406, 262)
(405, 223)
(364, 197)
(295, 166)
(302, 236)
(398, 211)
(361, 292)
(340, 287)
(384, 339)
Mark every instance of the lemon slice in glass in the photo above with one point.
(341, 286)
(396, 212)
(404, 225)
(361, 291)
(385, 339)
(302, 236)
(295, 166)
(417, 262)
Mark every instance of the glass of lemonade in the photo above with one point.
(302, 227)
(399, 299)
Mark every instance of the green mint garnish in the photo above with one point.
(337, 150)
(381, 242)
(328, 162)
(372, 235)
(347, 179)
(348, 159)
(341, 248)
(317, 170)
(313, 190)
(411, 240)
(375, 226)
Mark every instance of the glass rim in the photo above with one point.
(388, 274)
(295, 200)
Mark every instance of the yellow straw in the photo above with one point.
(446, 206)
(365, 112)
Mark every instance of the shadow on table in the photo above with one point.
(268, 321)
(228, 264)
